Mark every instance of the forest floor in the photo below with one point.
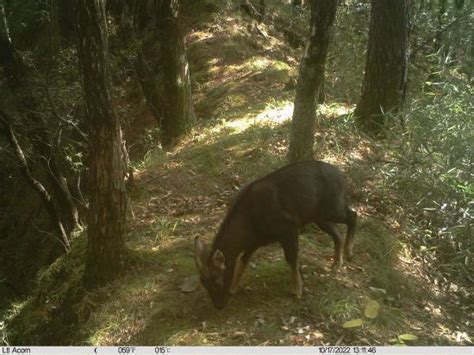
(245, 102)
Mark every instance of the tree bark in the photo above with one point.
(140, 15)
(385, 79)
(152, 91)
(107, 195)
(310, 80)
(178, 108)
(66, 19)
(6, 47)
(439, 35)
(8, 58)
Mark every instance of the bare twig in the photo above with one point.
(84, 201)
(37, 185)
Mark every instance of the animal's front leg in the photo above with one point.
(240, 264)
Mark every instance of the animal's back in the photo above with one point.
(292, 196)
(301, 192)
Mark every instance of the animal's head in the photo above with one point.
(211, 268)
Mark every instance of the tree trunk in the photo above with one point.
(115, 7)
(152, 91)
(384, 85)
(8, 59)
(107, 195)
(439, 35)
(310, 80)
(6, 47)
(65, 19)
(178, 109)
(140, 15)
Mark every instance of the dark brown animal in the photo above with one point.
(273, 209)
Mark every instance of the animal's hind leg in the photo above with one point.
(290, 247)
(331, 229)
(351, 221)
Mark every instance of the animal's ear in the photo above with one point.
(200, 253)
(218, 259)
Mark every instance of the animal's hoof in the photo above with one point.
(297, 291)
(335, 267)
(297, 294)
(348, 254)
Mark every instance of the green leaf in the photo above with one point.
(353, 323)
(372, 309)
(408, 337)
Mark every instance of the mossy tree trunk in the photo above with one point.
(384, 85)
(107, 195)
(310, 80)
(178, 111)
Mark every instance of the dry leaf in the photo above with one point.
(190, 284)
(318, 335)
(240, 334)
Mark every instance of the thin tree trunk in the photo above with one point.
(6, 47)
(107, 195)
(7, 52)
(152, 91)
(385, 79)
(310, 80)
(178, 108)
(439, 35)
(140, 15)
